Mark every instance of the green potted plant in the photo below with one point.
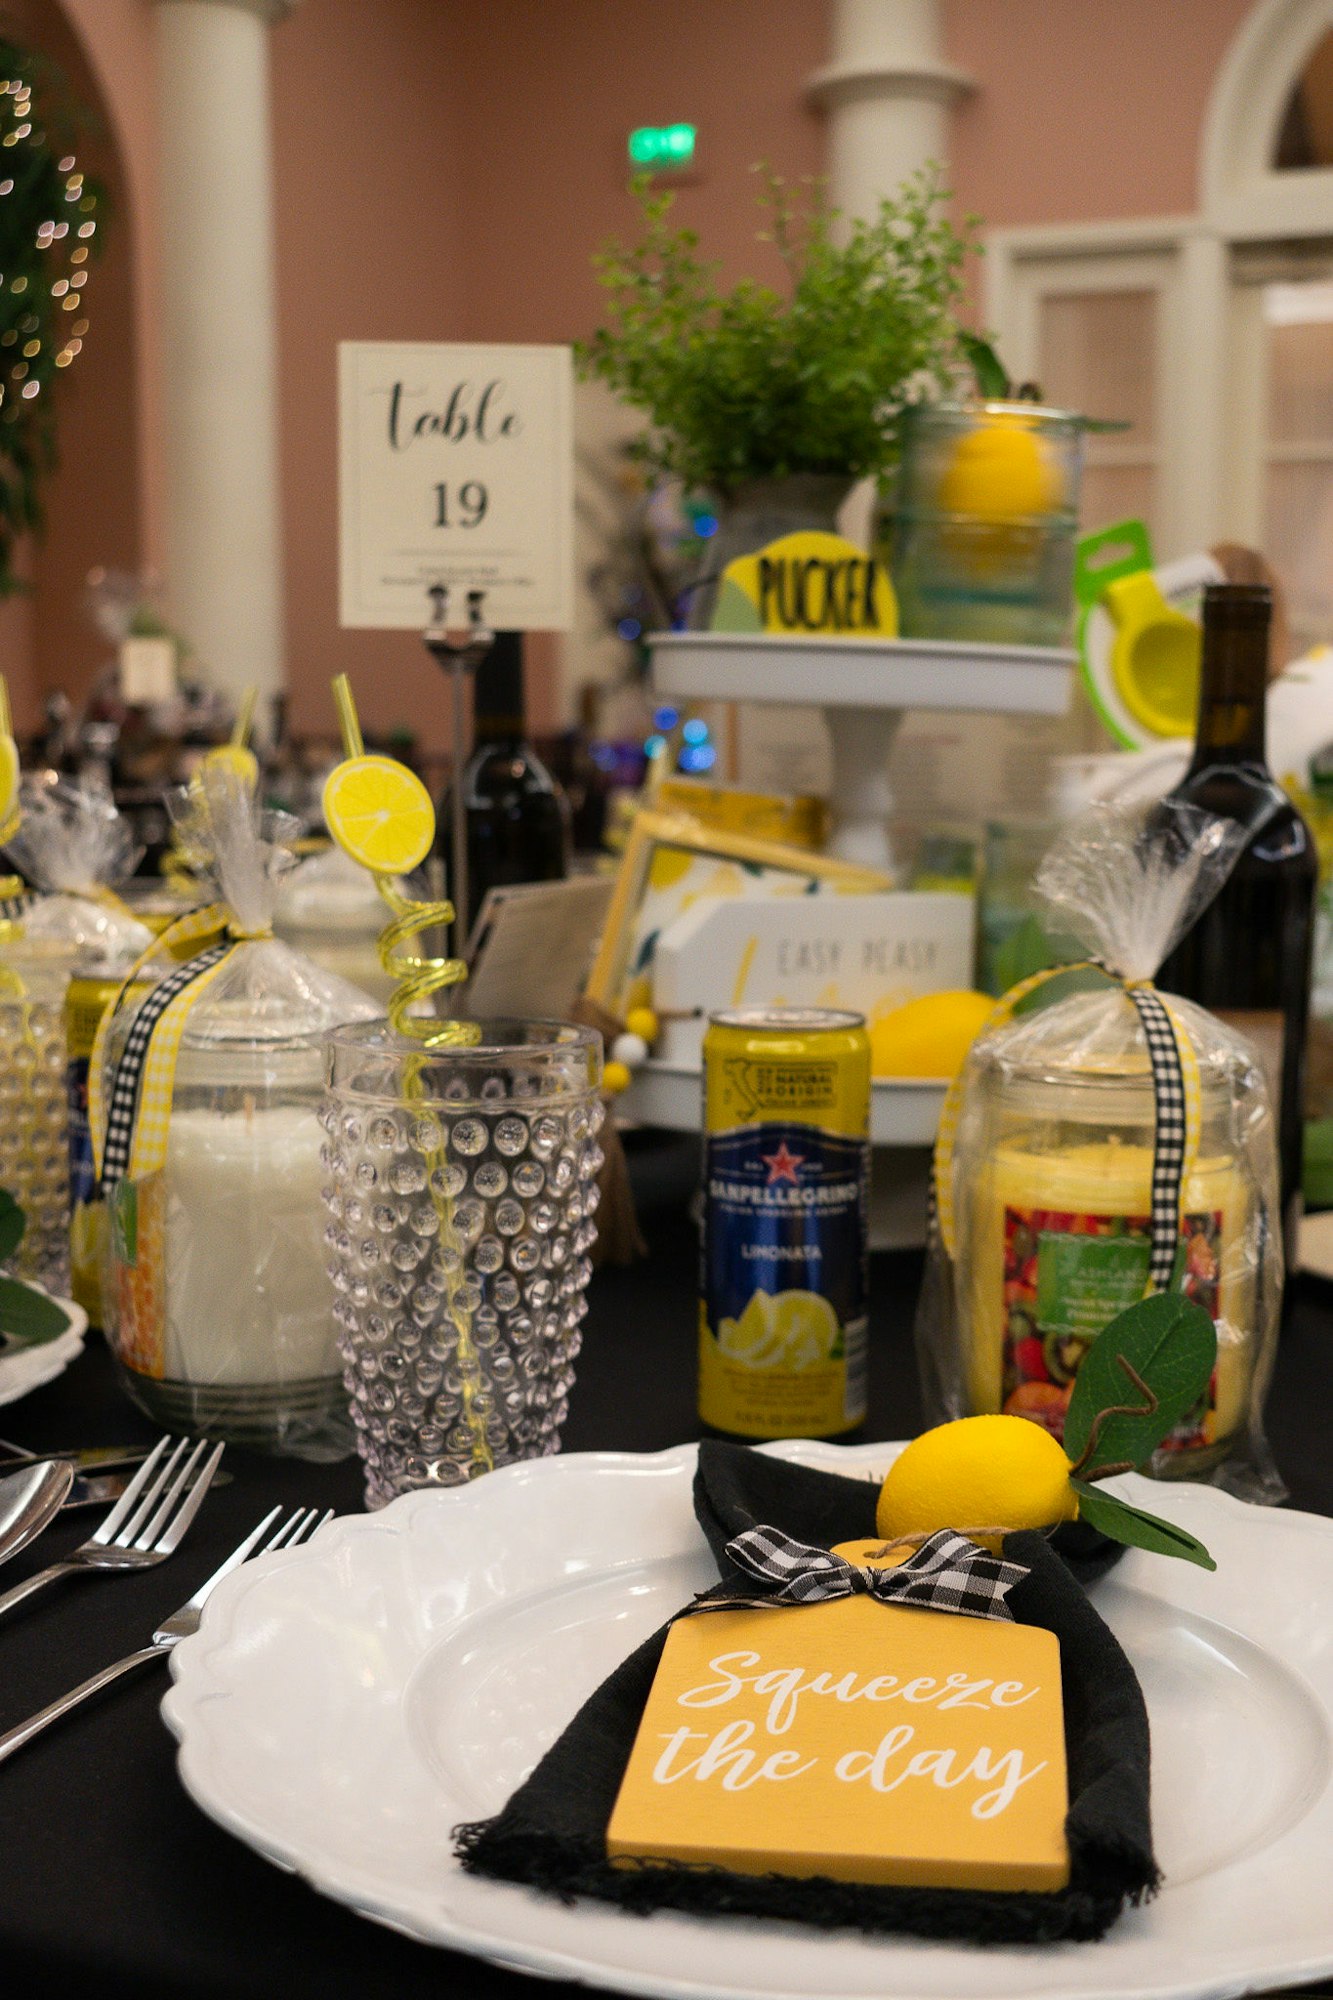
(777, 401)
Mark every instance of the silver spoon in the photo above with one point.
(28, 1500)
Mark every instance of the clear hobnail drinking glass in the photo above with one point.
(461, 1193)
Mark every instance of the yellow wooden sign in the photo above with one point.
(811, 583)
(867, 1742)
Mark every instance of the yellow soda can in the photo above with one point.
(782, 1308)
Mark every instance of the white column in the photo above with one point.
(223, 527)
(887, 91)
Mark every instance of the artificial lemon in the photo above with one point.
(1000, 478)
(1003, 1472)
(1001, 471)
(380, 814)
(928, 1037)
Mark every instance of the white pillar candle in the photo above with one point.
(248, 1298)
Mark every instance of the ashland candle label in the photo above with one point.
(853, 1739)
(1065, 1276)
(810, 583)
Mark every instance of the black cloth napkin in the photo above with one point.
(552, 1833)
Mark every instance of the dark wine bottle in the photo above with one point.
(1247, 958)
(517, 815)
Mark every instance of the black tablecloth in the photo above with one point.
(114, 1884)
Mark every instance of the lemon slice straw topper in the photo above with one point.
(381, 816)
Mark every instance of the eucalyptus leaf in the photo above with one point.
(29, 1317)
(987, 368)
(13, 1222)
(1172, 1344)
(1123, 1523)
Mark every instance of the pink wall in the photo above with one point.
(1087, 109)
(448, 177)
(445, 171)
(366, 166)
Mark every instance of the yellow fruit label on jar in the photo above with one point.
(136, 1290)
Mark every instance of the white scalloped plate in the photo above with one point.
(345, 1704)
(23, 1369)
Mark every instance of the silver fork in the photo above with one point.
(297, 1528)
(147, 1522)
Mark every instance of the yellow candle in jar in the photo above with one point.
(1053, 1244)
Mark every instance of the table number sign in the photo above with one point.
(455, 467)
(862, 1740)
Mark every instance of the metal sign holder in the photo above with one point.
(458, 653)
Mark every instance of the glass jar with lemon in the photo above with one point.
(980, 540)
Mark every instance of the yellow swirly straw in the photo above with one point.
(418, 978)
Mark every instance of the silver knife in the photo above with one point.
(98, 1489)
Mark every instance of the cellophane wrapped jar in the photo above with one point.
(215, 1296)
(1050, 1177)
(73, 847)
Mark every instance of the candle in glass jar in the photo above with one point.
(247, 1295)
(1059, 1243)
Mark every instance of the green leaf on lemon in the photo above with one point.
(1172, 1344)
(27, 1316)
(1123, 1523)
(988, 371)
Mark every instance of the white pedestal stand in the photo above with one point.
(863, 687)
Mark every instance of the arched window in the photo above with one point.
(1213, 333)
(1305, 135)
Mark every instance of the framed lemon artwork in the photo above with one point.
(669, 862)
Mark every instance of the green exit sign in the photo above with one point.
(662, 146)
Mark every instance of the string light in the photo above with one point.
(47, 274)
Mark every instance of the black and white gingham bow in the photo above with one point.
(947, 1573)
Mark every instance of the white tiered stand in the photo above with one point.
(864, 686)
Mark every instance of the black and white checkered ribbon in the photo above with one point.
(1168, 1159)
(14, 907)
(947, 1573)
(123, 1098)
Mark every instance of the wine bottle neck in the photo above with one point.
(1233, 688)
(497, 715)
